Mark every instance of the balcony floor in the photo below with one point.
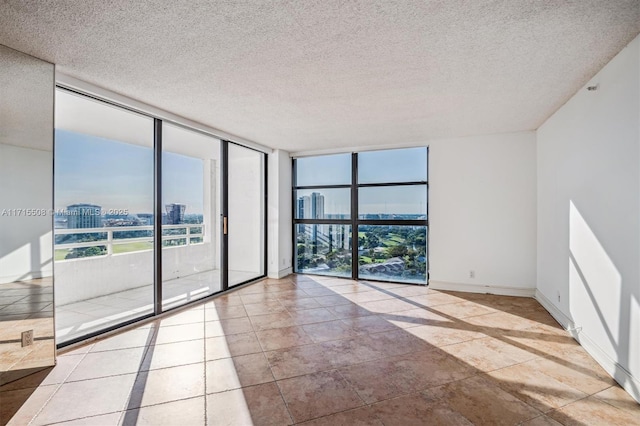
(82, 318)
(330, 351)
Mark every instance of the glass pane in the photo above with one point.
(334, 203)
(190, 240)
(397, 165)
(323, 249)
(104, 214)
(393, 253)
(246, 214)
(393, 202)
(323, 170)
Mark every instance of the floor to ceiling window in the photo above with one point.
(139, 212)
(362, 215)
(322, 215)
(191, 204)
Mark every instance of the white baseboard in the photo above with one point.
(281, 273)
(565, 321)
(618, 372)
(481, 288)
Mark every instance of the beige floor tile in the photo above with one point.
(319, 394)
(464, 309)
(483, 354)
(219, 312)
(329, 330)
(534, 387)
(227, 327)
(387, 305)
(593, 411)
(232, 345)
(579, 371)
(363, 416)
(174, 354)
(482, 402)
(300, 360)
(619, 398)
(112, 419)
(168, 384)
(404, 374)
(97, 396)
(252, 369)
(369, 324)
(351, 310)
(333, 300)
(311, 316)
(415, 409)
(47, 376)
(185, 317)
(286, 337)
(541, 421)
(256, 405)
(110, 363)
(299, 304)
(414, 317)
(264, 308)
(184, 412)
(19, 406)
(269, 321)
(129, 339)
(443, 334)
(180, 333)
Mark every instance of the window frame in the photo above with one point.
(354, 221)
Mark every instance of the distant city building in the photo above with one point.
(147, 218)
(175, 213)
(317, 205)
(84, 216)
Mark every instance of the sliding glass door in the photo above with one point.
(103, 195)
(149, 215)
(191, 207)
(244, 220)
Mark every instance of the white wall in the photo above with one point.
(279, 213)
(26, 244)
(589, 216)
(26, 162)
(482, 214)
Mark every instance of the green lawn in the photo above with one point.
(60, 254)
(129, 247)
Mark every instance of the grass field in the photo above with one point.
(129, 247)
(60, 254)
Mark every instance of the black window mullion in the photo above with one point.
(373, 185)
(354, 216)
(157, 221)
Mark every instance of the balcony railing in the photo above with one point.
(177, 235)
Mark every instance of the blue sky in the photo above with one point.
(117, 175)
(400, 165)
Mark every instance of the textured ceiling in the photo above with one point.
(309, 75)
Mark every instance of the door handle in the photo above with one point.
(224, 225)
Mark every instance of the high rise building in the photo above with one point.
(317, 205)
(175, 213)
(84, 216)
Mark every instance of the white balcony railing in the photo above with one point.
(110, 241)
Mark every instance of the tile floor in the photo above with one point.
(326, 351)
(74, 320)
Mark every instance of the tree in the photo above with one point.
(397, 251)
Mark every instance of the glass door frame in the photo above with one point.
(224, 215)
(158, 212)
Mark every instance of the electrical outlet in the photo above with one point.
(27, 338)
(472, 274)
